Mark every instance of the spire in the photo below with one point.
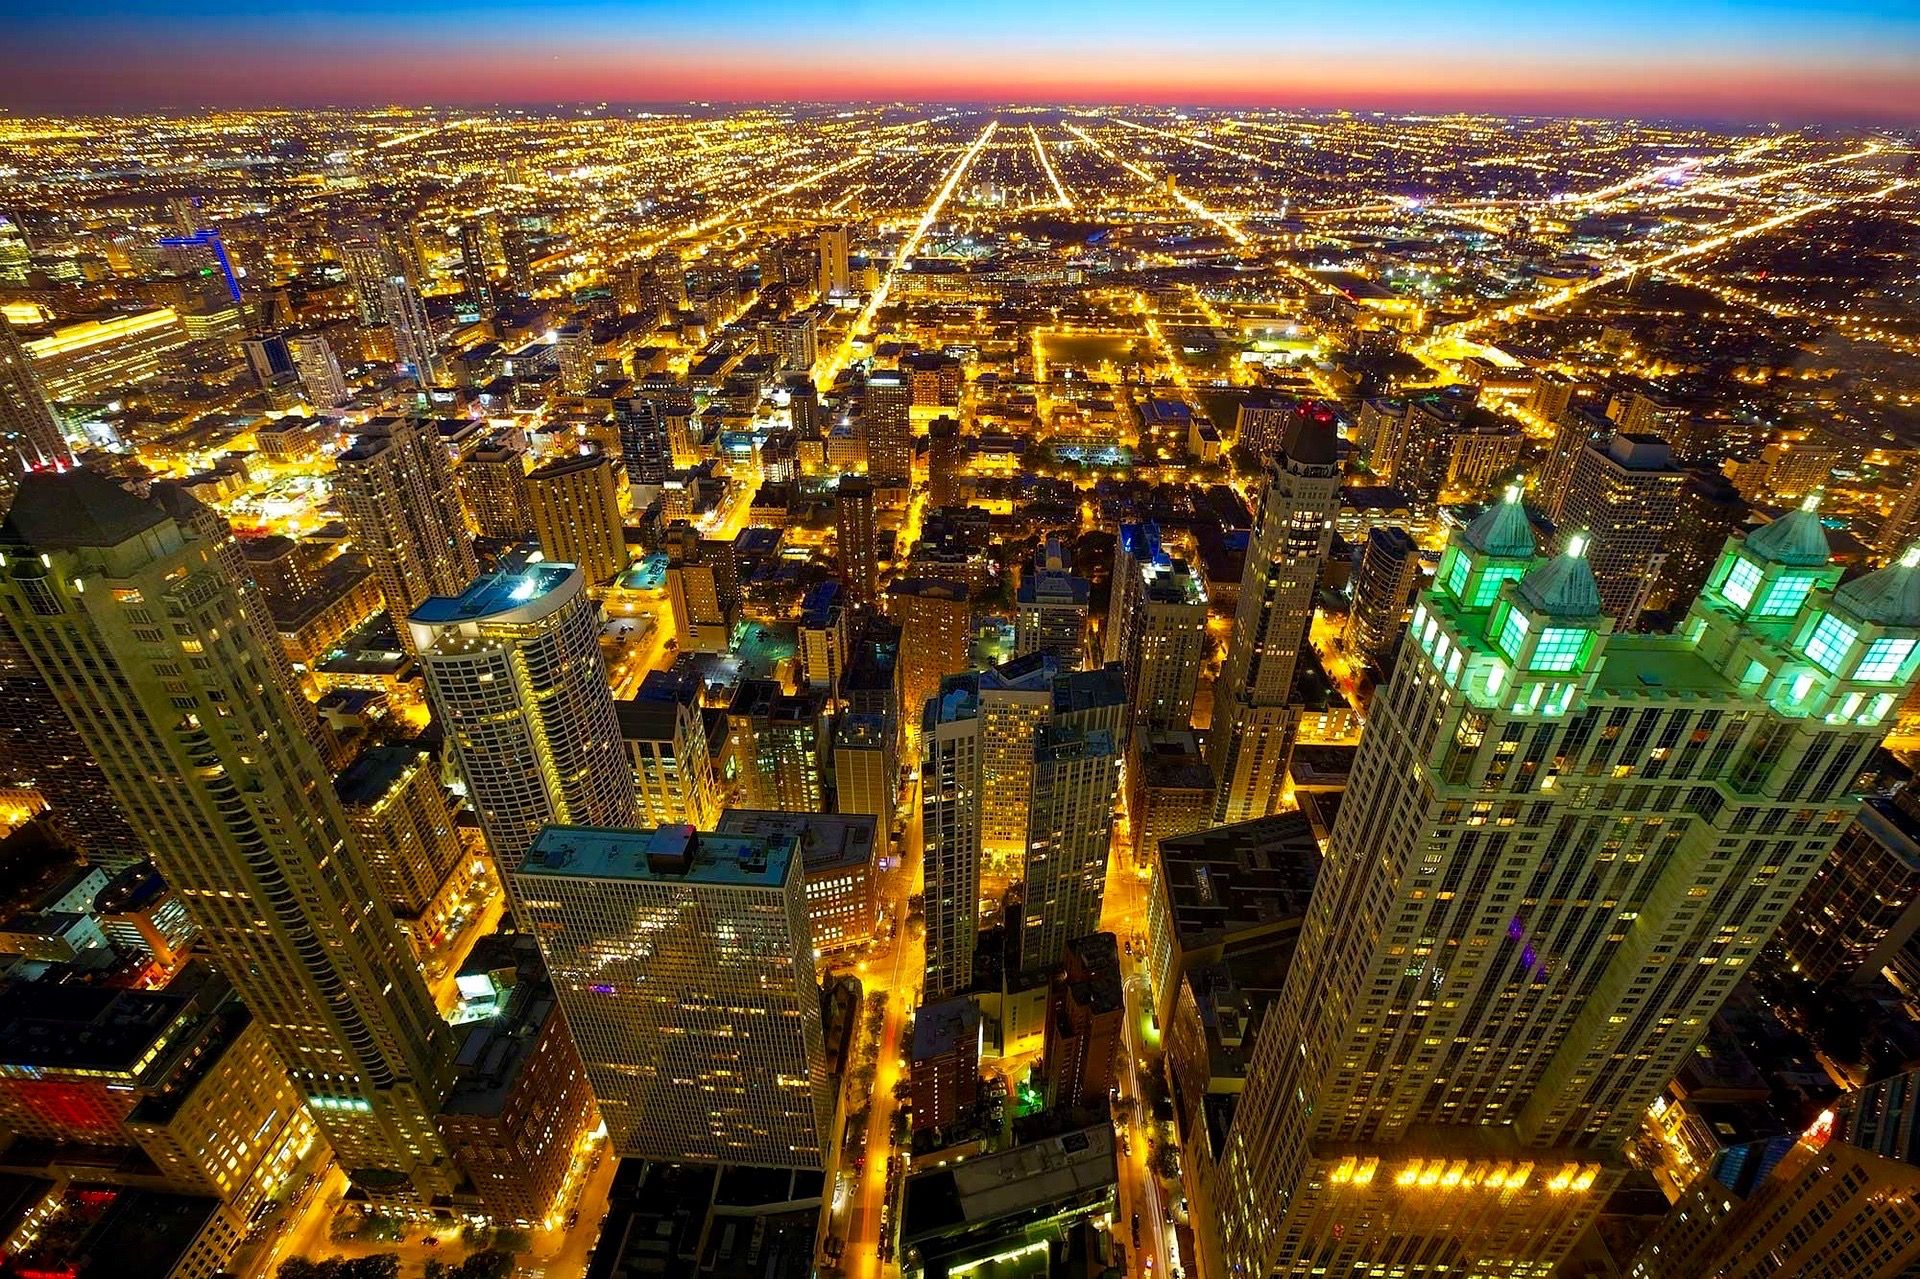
(1503, 530)
(1890, 596)
(1797, 539)
(1564, 585)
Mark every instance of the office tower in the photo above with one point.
(793, 342)
(835, 275)
(1076, 787)
(866, 766)
(473, 267)
(777, 742)
(29, 431)
(826, 638)
(319, 370)
(858, 540)
(950, 747)
(1574, 431)
(493, 479)
(666, 741)
(1711, 511)
(803, 404)
(1839, 1201)
(1377, 427)
(395, 487)
(1171, 790)
(1085, 1011)
(577, 360)
(1560, 849)
(575, 503)
(1016, 699)
(946, 456)
(703, 586)
(644, 444)
(1863, 905)
(945, 1057)
(516, 245)
(684, 965)
(1253, 719)
(367, 258)
(934, 379)
(885, 416)
(1261, 420)
(271, 364)
(413, 342)
(397, 808)
(1625, 498)
(141, 915)
(514, 675)
(935, 617)
(1382, 589)
(247, 830)
(1156, 628)
(1051, 607)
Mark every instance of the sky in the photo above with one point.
(1793, 61)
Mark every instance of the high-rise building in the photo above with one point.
(1560, 849)
(1086, 1009)
(1076, 787)
(394, 801)
(575, 503)
(516, 246)
(515, 677)
(414, 344)
(858, 538)
(836, 275)
(30, 434)
(367, 256)
(1051, 607)
(1156, 628)
(473, 267)
(318, 369)
(493, 479)
(684, 965)
(644, 444)
(1840, 1201)
(866, 766)
(1625, 499)
(1253, 711)
(395, 487)
(1863, 906)
(1382, 589)
(885, 414)
(825, 638)
(133, 624)
(945, 1055)
(703, 585)
(1574, 431)
(950, 748)
(1260, 422)
(946, 455)
(666, 739)
(935, 617)
(777, 743)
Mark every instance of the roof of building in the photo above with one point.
(668, 854)
(945, 1026)
(68, 510)
(1243, 877)
(497, 595)
(828, 841)
(1890, 596)
(374, 772)
(1563, 587)
(1503, 530)
(1797, 539)
(1062, 1169)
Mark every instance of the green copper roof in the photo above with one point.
(1796, 539)
(1890, 596)
(1503, 530)
(1563, 587)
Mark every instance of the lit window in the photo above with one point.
(1489, 587)
(1785, 597)
(1884, 659)
(1560, 649)
(1828, 645)
(1457, 576)
(1741, 579)
(1513, 633)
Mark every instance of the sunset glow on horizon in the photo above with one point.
(1756, 59)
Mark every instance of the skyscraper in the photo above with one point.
(29, 432)
(395, 804)
(1051, 607)
(318, 369)
(1156, 629)
(684, 964)
(704, 588)
(414, 344)
(514, 675)
(666, 740)
(858, 539)
(950, 816)
(1076, 786)
(395, 488)
(644, 444)
(835, 275)
(516, 245)
(1625, 498)
(885, 412)
(1253, 713)
(1560, 850)
(473, 266)
(493, 479)
(575, 503)
(935, 617)
(1382, 588)
(128, 618)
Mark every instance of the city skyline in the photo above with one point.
(1754, 60)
